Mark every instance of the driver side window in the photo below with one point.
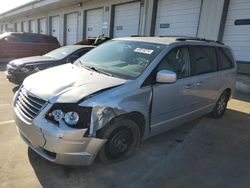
(178, 61)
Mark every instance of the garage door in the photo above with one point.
(42, 26)
(25, 27)
(94, 23)
(177, 17)
(9, 28)
(126, 20)
(19, 27)
(55, 27)
(2, 29)
(237, 29)
(71, 28)
(32, 26)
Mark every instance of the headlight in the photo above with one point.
(57, 114)
(27, 69)
(72, 114)
(71, 118)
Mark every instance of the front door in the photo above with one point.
(172, 103)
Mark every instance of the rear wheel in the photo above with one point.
(123, 138)
(221, 105)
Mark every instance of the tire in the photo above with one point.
(123, 139)
(220, 106)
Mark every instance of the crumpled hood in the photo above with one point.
(27, 60)
(68, 83)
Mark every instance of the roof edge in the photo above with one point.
(19, 7)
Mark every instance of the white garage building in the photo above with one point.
(177, 17)
(73, 20)
(237, 29)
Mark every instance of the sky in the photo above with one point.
(10, 4)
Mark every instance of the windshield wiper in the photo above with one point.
(100, 71)
(95, 69)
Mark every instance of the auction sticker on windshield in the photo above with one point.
(144, 51)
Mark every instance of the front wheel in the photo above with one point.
(123, 138)
(221, 105)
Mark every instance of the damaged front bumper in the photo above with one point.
(14, 75)
(61, 145)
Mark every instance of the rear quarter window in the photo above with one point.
(49, 40)
(203, 59)
(225, 59)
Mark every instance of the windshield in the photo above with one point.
(121, 58)
(61, 53)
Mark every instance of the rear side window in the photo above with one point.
(14, 39)
(225, 59)
(26, 38)
(203, 59)
(23, 38)
(30, 39)
(40, 39)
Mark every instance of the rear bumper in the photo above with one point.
(56, 145)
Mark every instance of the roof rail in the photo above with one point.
(138, 36)
(175, 36)
(198, 39)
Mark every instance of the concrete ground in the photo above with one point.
(201, 153)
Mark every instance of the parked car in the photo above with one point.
(18, 69)
(17, 45)
(120, 93)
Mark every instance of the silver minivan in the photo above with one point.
(120, 93)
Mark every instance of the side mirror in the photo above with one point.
(166, 77)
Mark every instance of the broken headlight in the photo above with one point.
(73, 115)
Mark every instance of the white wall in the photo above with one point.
(209, 24)
(238, 36)
(210, 19)
(146, 17)
(7, 27)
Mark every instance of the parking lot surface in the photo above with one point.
(202, 153)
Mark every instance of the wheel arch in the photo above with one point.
(136, 117)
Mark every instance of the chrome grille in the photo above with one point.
(28, 105)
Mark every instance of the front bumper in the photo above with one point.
(65, 146)
(16, 78)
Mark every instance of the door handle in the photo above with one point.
(189, 86)
(199, 83)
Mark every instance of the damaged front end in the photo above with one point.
(57, 141)
(116, 103)
(65, 129)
